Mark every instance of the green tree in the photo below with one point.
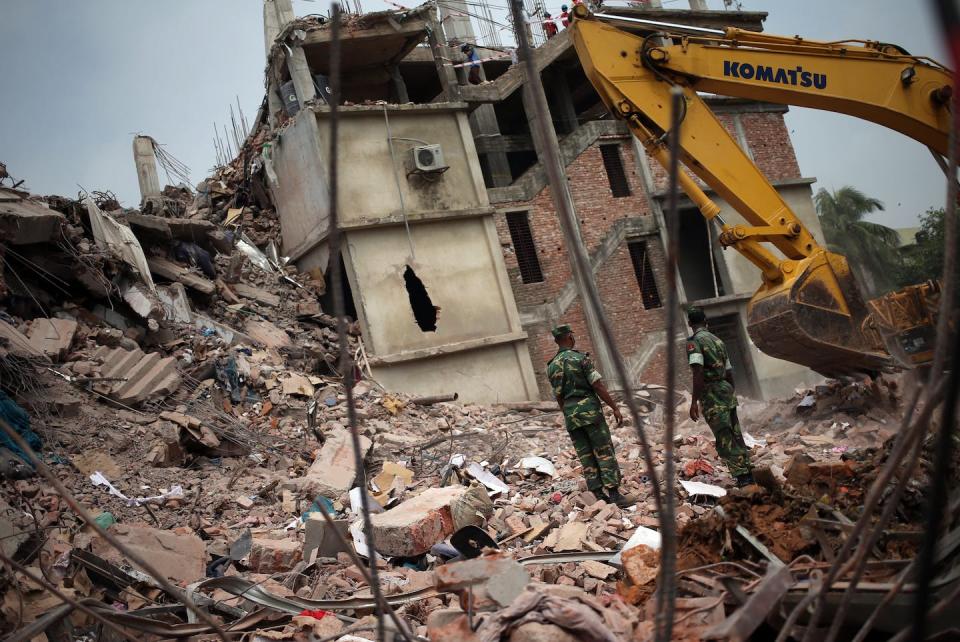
(924, 259)
(871, 248)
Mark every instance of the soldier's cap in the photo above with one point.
(696, 315)
(561, 330)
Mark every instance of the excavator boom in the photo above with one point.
(809, 308)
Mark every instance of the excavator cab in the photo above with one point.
(808, 308)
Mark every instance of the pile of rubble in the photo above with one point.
(182, 383)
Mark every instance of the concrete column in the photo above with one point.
(441, 55)
(146, 162)
(296, 59)
(561, 102)
(483, 122)
(699, 5)
(271, 25)
(271, 29)
(456, 22)
(399, 85)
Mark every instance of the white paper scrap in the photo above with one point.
(752, 441)
(539, 464)
(699, 488)
(487, 478)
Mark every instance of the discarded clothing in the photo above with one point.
(547, 605)
(18, 419)
(193, 254)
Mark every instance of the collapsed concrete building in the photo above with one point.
(453, 255)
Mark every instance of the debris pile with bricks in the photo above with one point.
(176, 437)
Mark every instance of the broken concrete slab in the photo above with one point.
(142, 300)
(14, 342)
(257, 294)
(317, 536)
(184, 229)
(11, 537)
(413, 526)
(570, 537)
(267, 334)
(170, 271)
(176, 304)
(23, 222)
(119, 239)
(333, 472)
(145, 376)
(179, 557)
(52, 337)
(273, 555)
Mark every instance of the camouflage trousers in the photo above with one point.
(719, 405)
(595, 450)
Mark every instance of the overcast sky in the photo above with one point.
(81, 78)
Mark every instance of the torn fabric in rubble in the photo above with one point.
(547, 605)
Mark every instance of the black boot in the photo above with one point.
(745, 479)
(623, 501)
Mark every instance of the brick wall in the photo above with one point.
(598, 211)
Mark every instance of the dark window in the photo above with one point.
(613, 163)
(645, 279)
(523, 245)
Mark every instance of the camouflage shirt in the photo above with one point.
(572, 376)
(705, 349)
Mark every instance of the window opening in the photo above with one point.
(424, 311)
(613, 163)
(523, 245)
(644, 272)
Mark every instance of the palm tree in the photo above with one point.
(870, 248)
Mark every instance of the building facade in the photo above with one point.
(482, 237)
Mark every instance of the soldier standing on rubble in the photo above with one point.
(579, 388)
(713, 390)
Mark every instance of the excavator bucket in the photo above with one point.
(815, 317)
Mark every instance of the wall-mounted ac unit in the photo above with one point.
(429, 159)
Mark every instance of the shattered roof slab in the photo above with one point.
(372, 41)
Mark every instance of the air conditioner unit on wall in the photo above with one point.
(428, 159)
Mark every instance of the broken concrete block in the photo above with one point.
(257, 294)
(269, 335)
(449, 625)
(494, 580)
(17, 343)
(318, 537)
(169, 270)
(146, 376)
(597, 569)
(571, 536)
(52, 337)
(412, 527)
(333, 472)
(24, 222)
(273, 555)
(11, 536)
(176, 305)
(179, 557)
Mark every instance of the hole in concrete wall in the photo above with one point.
(424, 311)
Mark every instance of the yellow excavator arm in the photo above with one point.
(808, 308)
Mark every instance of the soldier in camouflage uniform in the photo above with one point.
(713, 390)
(578, 388)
